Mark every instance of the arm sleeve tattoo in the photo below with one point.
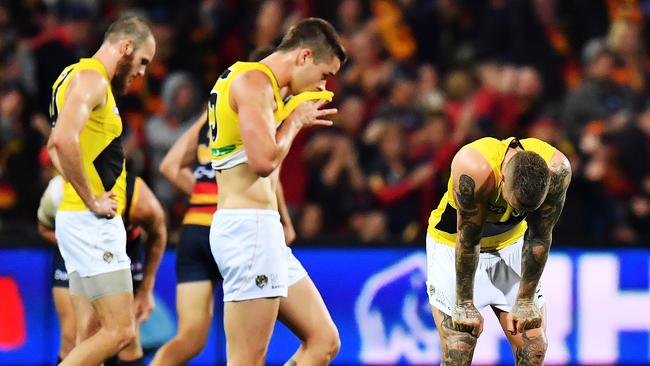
(469, 226)
(537, 240)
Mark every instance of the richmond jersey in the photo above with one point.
(503, 225)
(226, 144)
(100, 141)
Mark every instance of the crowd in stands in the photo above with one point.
(423, 78)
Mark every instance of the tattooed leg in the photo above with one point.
(457, 347)
(529, 348)
(532, 352)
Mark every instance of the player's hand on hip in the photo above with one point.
(105, 205)
(467, 318)
(310, 114)
(523, 316)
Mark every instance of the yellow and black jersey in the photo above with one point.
(203, 200)
(226, 144)
(100, 141)
(503, 226)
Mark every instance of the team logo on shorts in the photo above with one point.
(261, 281)
(108, 257)
(432, 290)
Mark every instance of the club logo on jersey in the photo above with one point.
(108, 257)
(261, 281)
(499, 210)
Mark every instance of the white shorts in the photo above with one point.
(91, 245)
(496, 281)
(249, 248)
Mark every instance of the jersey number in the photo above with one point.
(212, 115)
(54, 108)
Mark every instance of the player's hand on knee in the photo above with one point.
(105, 205)
(467, 318)
(524, 315)
(309, 114)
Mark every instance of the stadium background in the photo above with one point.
(424, 77)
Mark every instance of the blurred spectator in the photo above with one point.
(335, 179)
(430, 97)
(633, 157)
(401, 102)
(350, 16)
(394, 182)
(624, 39)
(598, 98)
(182, 105)
(19, 148)
(367, 69)
(431, 75)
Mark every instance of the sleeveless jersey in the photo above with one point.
(226, 144)
(100, 141)
(503, 225)
(203, 200)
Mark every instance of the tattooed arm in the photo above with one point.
(537, 242)
(472, 178)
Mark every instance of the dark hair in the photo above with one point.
(259, 54)
(316, 34)
(130, 26)
(530, 178)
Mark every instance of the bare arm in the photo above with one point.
(471, 175)
(253, 98)
(537, 240)
(468, 186)
(47, 233)
(285, 218)
(182, 154)
(537, 243)
(86, 91)
(148, 213)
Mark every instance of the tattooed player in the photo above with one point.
(488, 242)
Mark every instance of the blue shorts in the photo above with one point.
(133, 250)
(194, 261)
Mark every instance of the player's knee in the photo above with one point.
(121, 336)
(332, 343)
(458, 348)
(325, 345)
(531, 349)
